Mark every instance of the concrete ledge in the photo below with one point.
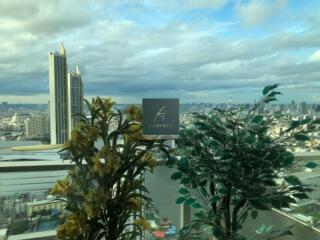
(31, 166)
(35, 235)
(37, 147)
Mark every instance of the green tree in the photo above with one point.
(228, 164)
(19, 226)
(106, 187)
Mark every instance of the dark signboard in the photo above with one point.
(160, 117)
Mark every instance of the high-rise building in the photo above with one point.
(303, 109)
(75, 98)
(58, 96)
(37, 125)
(293, 106)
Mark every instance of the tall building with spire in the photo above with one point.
(75, 98)
(58, 96)
(66, 97)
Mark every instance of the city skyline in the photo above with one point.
(223, 140)
(198, 51)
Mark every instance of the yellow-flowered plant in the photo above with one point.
(62, 187)
(145, 224)
(106, 187)
(134, 203)
(150, 161)
(74, 226)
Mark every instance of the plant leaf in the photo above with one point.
(196, 205)
(292, 180)
(183, 191)
(269, 88)
(215, 198)
(311, 165)
(185, 180)
(189, 201)
(180, 200)
(176, 176)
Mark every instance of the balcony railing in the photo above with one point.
(28, 176)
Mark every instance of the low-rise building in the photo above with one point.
(20, 206)
(37, 206)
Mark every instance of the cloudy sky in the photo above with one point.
(197, 50)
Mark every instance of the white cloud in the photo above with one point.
(183, 5)
(43, 18)
(121, 57)
(315, 56)
(211, 4)
(257, 11)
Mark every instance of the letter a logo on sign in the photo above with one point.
(161, 114)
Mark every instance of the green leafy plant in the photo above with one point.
(105, 191)
(228, 163)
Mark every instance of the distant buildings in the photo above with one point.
(20, 206)
(66, 96)
(38, 206)
(293, 106)
(303, 108)
(37, 125)
(4, 105)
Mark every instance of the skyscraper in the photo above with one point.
(75, 98)
(303, 108)
(58, 96)
(293, 106)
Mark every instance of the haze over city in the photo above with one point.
(198, 51)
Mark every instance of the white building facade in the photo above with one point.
(37, 125)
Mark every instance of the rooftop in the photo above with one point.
(43, 202)
(309, 156)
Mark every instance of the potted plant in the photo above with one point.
(228, 163)
(105, 192)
